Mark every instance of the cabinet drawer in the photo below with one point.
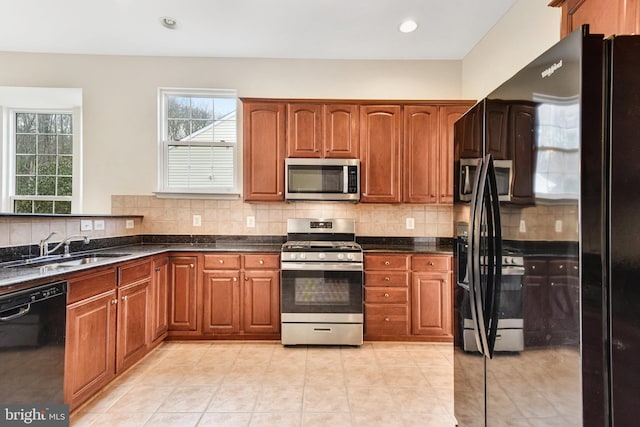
(386, 319)
(134, 272)
(262, 261)
(431, 263)
(386, 295)
(222, 262)
(87, 285)
(535, 267)
(564, 267)
(385, 279)
(386, 262)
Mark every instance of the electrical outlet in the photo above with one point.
(411, 223)
(251, 221)
(98, 224)
(197, 221)
(86, 225)
(558, 226)
(129, 224)
(523, 226)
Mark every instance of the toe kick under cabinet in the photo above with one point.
(408, 297)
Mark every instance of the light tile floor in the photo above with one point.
(265, 384)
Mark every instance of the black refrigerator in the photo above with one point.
(546, 211)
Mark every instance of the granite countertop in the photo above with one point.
(12, 278)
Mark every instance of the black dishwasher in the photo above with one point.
(32, 339)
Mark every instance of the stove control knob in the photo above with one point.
(303, 256)
(506, 260)
(322, 256)
(340, 256)
(350, 256)
(293, 255)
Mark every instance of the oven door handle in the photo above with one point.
(322, 266)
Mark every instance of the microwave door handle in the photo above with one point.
(345, 179)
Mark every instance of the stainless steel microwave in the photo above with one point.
(504, 178)
(322, 179)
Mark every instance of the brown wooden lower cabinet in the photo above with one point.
(408, 297)
(183, 294)
(134, 318)
(241, 295)
(159, 292)
(90, 353)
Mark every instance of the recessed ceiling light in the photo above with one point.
(169, 22)
(408, 26)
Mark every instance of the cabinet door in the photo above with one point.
(421, 156)
(304, 130)
(261, 301)
(468, 134)
(603, 16)
(341, 131)
(497, 121)
(159, 317)
(447, 116)
(380, 151)
(535, 303)
(221, 302)
(264, 151)
(183, 286)
(431, 304)
(134, 315)
(522, 137)
(564, 309)
(90, 347)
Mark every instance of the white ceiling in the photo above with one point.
(322, 29)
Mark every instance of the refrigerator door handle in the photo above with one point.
(494, 278)
(473, 261)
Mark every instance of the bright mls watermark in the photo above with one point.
(34, 415)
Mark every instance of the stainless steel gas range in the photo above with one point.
(322, 283)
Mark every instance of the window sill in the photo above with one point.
(196, 195)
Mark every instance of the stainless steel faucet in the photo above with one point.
(44, 244)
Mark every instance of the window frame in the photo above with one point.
(10, 163)
(163, 188)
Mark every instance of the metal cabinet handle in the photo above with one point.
(386, 295)
(261, 262)
(114, 301)
(387, 263)
(386, 319)
(431, 263)
(561, 266)
(220, 261)
(575, 267)
(157, 268)
(124, 298)
(387, 279)
(533, 267)
(235, 279)
(191, 265)
(279, 193)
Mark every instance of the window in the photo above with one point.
(198, 142)
(558, 148)
(43, 154)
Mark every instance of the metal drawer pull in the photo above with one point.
(430, 262)
(124, 298)
(114, 301)
(387, 263)
(561, 266)
(261, 261)
(221, 261)
(191, 265)
(386, 319)
(157, 268)
(386, 279)
(323, 330)
(386, 295)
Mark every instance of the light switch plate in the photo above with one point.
(411, 223)
(197, 221)
(558, 226)
(251, 221)
(86, 225)
(129, 224)
(523, 226)
(98, 224)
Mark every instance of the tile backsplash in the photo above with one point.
(229, 217)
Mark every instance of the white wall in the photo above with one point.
(120, 107)
(529, 28)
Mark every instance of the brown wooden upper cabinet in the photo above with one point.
(264, 150)
(497, 118)
(603, 16)
(322, 130)
(428, 152)
(380, 151)
(469, 130)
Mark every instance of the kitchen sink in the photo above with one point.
(58, 261)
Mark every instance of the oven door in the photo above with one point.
(322, 292)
